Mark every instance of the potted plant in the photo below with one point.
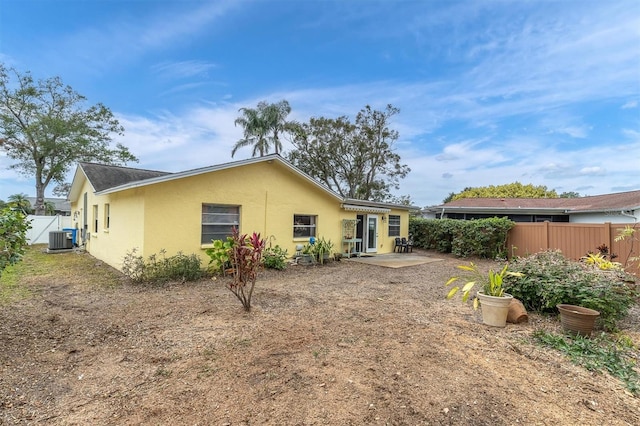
(495, 302)
(308, 255)
(323, 249)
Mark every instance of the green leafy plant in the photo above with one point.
(160, 269)
(246, 260)
(629, 234)
(321, 248)
(600, 261)
(275, 258)
(550, 279)
(491, 282)
(13, 236)
(485, 238)
(602, 353)
(220, 255)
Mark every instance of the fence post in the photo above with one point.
(546, 235)
(607, 235)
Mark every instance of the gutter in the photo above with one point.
(624, 213)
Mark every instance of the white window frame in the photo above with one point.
(223, 219)
(394, 225)
(107, 216)
(304, 226)
(95, 218)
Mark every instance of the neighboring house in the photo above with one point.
(61, 206)
(117, 209)
(622, 207)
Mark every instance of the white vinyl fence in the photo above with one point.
(42, 225)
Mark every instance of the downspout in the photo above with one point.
(624, 213)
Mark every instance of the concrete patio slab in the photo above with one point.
(394, 260)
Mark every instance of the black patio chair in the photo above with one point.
(399, 246)
(407, 245)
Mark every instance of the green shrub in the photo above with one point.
(13, 237)
(550, 279)
(220, 255)
(159, 269)
(485, 238)
(274, 258)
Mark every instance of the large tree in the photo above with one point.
(356, 160)
(510, 190)
(46, 127)
(263, 127)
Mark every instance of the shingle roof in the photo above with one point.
(104, 177)
(60, 204)
(619, 201)
(108, 179)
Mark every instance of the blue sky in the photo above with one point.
(489, 92)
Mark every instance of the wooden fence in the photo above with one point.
(573, 239)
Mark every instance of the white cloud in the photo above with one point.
(630, 104)
(182, 69)
(593, 171)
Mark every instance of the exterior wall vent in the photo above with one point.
(59, 240)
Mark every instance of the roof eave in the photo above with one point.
(359, 202)
(188, 173)
(613, 209)
(504, 210)
(74, 191)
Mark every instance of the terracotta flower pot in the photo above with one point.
(577, 319)
(494, 309)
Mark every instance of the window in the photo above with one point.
(95, 218)
(217, 221)
(304, 226)
(107, 215)
(394, 225)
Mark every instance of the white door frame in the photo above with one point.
(371, 234)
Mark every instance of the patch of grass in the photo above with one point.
(614, 354)
(163, 372)
(10, 288)
(40, 268)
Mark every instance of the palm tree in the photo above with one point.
(254, 131)
(263, 127)
(49, 208)
(275, 116)
(20, 202)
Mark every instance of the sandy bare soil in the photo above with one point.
(342, 344)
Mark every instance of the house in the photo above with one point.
(61, 206)
(117, 209)
(622, 207)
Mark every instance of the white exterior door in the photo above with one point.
(372, 233)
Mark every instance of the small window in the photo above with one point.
(107, 215)
(394, 225)
(218, 221)
(95, 218)
(304, 226)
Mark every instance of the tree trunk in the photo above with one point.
(39, 209)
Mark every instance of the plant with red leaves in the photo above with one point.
(246, 261)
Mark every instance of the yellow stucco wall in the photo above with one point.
(168, 215)
(126, 223)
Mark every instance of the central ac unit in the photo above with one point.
(59, 240)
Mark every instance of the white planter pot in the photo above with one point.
(494, 309)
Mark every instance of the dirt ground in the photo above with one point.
(341, 344)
